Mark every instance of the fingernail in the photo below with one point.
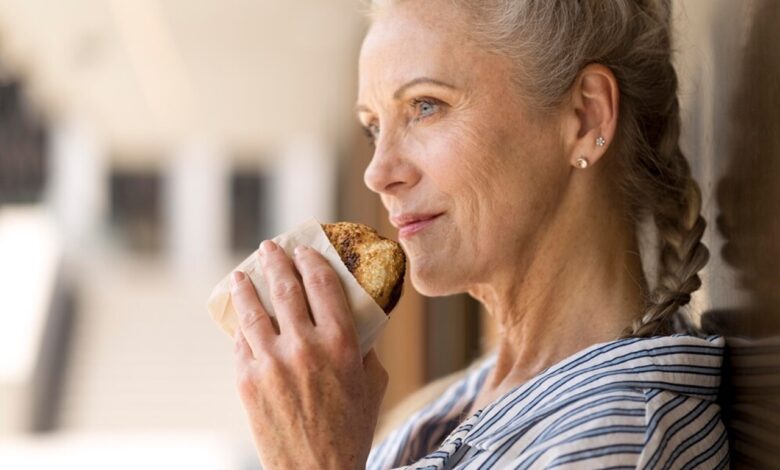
(301, 249)
(236, 277)
(267, 246)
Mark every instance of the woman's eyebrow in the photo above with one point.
(431, 81)
(400, 91)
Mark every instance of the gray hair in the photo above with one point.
(551, 41)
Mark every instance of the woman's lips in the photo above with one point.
(413, 227)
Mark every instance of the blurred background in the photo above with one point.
(148, 146)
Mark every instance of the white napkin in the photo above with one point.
(370, 319)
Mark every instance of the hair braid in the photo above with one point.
(676, 208)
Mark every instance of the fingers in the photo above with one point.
(318, 290)
(323, 289)
(285, 289)
(253, 320)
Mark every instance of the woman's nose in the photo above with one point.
(390, 170)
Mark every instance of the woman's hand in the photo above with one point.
(312, 401)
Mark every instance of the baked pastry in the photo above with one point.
(377, 263)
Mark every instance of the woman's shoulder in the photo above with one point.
(635, 369)
(634, 429)
(629, 402)
(637, 402)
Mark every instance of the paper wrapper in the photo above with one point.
(370, 319)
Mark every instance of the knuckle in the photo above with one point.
(345, 346)
(300, 351)
(285, 290)
(268, 366)
(338, 343)
(303, 356)
(321, 278)
(251, 317)
(260, 323)
(344, 338)
(246, 381)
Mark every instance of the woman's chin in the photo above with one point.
(430, 285)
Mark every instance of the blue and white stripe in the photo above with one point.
(632, 403)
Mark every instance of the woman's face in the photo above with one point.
(467, 173)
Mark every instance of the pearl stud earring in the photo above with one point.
(600, 141)
(582, 163)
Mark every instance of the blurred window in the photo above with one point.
(136, 209)
(250, 210)
(22, 148)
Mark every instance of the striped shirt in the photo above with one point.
(631, 403)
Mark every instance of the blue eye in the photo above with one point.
(426, 107)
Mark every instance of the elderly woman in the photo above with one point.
(525, 149)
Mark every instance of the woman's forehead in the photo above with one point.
(400, 47)
(407, 36)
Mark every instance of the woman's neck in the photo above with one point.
(582, 286)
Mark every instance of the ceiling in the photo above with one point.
(149, 74)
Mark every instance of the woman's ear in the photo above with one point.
(591, 115)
